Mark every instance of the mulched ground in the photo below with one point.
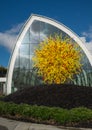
(65, 96)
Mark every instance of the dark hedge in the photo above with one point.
(65, 96)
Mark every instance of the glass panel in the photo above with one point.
(24, 56)
(17, 61)
(35, 32)
(32, 48)
(24, 49)
(49, 30)
(26, 38)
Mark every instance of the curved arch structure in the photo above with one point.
(34, 31)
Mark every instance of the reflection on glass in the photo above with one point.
(24, 74)
(26, 38)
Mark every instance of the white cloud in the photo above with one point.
(87, 39)
(88, 34)
(88, 45)
(8, 38)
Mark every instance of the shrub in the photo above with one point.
(80, 114)
(56, 95)
(46, 114)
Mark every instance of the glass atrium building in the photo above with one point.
(21, 72)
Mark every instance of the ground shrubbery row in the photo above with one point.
(50, 115)
(68, 105)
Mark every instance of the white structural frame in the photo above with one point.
(22, 34)
(2, 79)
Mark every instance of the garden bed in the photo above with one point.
(67, 105)
(64, 96)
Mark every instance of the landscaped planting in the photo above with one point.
(62, 104)
(64, 96)
(49, 115)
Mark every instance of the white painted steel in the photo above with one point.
(3, 79)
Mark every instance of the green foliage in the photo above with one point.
(43, 113)
(80, 114)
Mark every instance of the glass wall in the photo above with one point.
(24, 74)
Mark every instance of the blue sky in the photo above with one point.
(76, 15)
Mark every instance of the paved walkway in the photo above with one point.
(8, 124)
